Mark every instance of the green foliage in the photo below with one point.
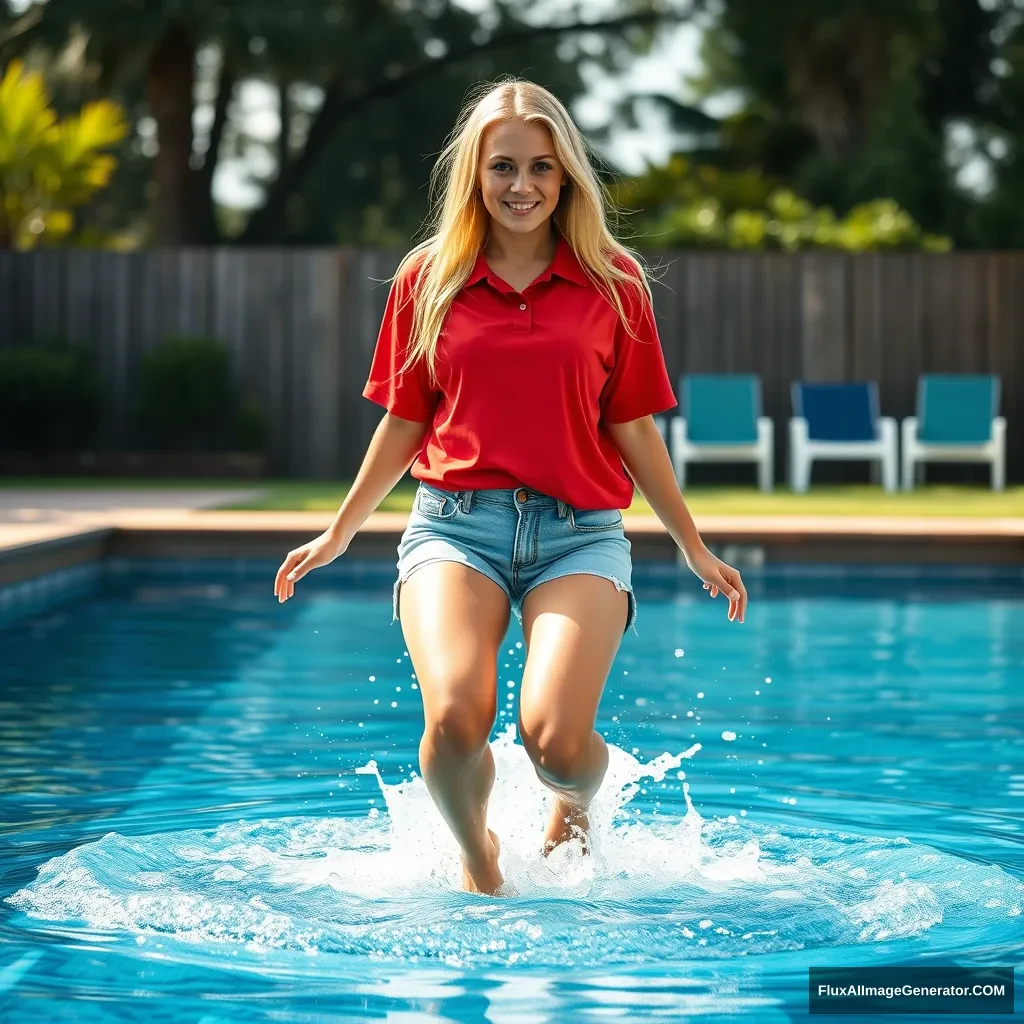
(51, 398)
(846, 101)
(684, 205)
(188, 402)
(48, 166)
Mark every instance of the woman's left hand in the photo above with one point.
(718, 576)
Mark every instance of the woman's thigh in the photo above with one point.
(454, 620)
(573, 628)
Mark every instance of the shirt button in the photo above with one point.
(521, 496)
(522, 305)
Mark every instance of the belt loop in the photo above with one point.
(466, 499)
(562, 507)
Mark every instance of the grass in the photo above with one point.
(825, 499)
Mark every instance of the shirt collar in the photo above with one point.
(564, 265)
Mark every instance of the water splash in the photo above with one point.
(386, 886)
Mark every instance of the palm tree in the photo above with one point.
(49, 165)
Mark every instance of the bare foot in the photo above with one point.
(567, 822)
(485, 878)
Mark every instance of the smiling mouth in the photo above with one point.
(521, 207)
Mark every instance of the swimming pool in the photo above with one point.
(209, 806)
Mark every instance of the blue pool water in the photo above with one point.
(210, 809)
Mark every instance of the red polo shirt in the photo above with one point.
(528, 383)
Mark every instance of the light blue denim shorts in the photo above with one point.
(517, 537)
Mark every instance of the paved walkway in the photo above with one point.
(19, 505)
(28, 516)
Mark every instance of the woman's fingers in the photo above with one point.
(727, 580)
(736, 592)
(309, 562)
(284, 582)
(743, 596)
(280, 587)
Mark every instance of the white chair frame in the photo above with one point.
(684, 451)
(803, 452)
(917, 453)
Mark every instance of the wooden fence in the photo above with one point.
(302, 323)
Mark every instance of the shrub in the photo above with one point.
(51, 398)
(187, 400)
(252, 430)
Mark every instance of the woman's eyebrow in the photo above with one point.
(533, 159)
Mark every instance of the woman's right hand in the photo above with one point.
(320, 551)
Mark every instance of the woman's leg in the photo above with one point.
(454, 620)
(573, 626)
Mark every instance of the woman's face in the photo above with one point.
(520, 176)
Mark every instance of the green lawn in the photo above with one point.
(826, 499)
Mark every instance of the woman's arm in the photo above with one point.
(647, 459)
(392, 450)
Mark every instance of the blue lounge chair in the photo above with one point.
(839, 421)
(957, 421)
(722, 421)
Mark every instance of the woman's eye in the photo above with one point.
(542, 166)
(502, 165)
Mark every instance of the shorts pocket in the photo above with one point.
(592, 520)
(435, 504)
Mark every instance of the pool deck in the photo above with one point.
(59, 539)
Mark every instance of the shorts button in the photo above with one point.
(521, 495)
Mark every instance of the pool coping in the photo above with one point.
(43, 564)
(28, 549)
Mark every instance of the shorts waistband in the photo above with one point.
(515, 497)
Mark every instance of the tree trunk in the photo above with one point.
(206, 218)
(284, 136)
(169, 81)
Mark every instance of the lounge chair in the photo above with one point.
(840, 421)
(721, 421)
(957, 421)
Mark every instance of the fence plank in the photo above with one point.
(824, 316)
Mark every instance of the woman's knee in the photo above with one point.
(458, 730)
(557, 757)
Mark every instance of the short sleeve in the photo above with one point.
(408, 395)
(639, 384)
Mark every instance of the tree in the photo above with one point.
(846, 101)
(48, 165)
(372, 62)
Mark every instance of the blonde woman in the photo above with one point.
(520, 366)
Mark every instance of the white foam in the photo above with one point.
(388, 887)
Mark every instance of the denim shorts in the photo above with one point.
(517, 537)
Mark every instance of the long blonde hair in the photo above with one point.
(443, 261)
